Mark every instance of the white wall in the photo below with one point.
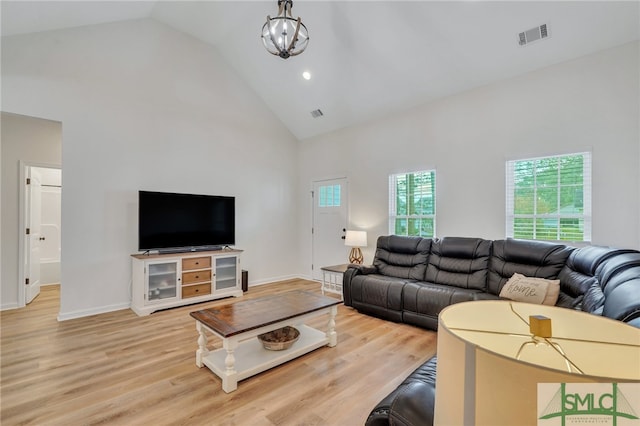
(35, 141)
(591, 103)
(146, 107)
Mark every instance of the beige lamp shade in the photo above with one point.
(490, 364)
(355, 239)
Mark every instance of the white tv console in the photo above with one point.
(161, 281)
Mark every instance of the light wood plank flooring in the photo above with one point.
(121, 369)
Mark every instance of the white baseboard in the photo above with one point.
(9, 306)
(275, 279)
(306, 277)
(95, 311)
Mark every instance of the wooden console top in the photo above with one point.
(235, 318)
(220, 252)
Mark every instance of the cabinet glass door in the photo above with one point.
(162, 281)
(226, 272)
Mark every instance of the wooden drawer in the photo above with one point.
(196, 277)
(196, 263)
(196, 290)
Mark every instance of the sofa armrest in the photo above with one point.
(352, 271)
(413, 405)
(363, 269)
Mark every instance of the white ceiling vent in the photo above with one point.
(534, 34)
(316, 113)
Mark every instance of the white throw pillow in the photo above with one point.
(525, 289)
(553, 292)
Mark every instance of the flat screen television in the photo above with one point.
(184, 222)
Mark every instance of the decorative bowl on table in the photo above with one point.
(280, 339)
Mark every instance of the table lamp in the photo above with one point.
(511, 363)
(355, 240)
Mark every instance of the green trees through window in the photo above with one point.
(549, 198)
(412, 203)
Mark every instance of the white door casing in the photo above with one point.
(32, 239)
(329, 224)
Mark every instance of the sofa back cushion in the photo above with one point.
(530, 258)
(621, 293)
(402, 257)
(619, 277)
(459, 262)
(580, 288)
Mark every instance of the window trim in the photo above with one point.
(393, 197)
(586, 215)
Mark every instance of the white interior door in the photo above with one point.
(329, 224)
(33, 242)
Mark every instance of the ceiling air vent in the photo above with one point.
(316, 113)
(534, 34)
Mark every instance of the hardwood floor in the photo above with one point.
(121, 369)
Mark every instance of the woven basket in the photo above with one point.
(280, 339)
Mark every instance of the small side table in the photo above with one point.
(332, 278)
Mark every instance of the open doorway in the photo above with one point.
(26, 142)
(41, 195)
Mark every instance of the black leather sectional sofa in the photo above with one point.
(412, 279)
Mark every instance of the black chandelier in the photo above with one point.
(284, 36)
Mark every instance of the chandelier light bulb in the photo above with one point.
(292, 35)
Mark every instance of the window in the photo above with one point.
(329, 196)
(412, 204)
(549, 198)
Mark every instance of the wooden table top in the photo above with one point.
(336, 268)
(235, 318)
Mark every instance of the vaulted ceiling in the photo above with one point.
(367, 59)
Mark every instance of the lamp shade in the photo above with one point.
(482, 379)
(355, 239)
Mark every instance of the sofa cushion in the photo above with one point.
(530, 258)
(459, 262)
(621, 295)
(412, 402)
(402, 257)
(587, 259)
(593, 299)
(378, 295)
(619, 277)
(580, 288)
(422, 302)
(573, 287)
(616, 264)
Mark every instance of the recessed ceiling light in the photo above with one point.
(306, 75)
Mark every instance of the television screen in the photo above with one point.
(184, 221)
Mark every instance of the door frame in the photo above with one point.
(312, 205)
(24, 167)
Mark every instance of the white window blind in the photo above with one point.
(549, 198)
(412, 203)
